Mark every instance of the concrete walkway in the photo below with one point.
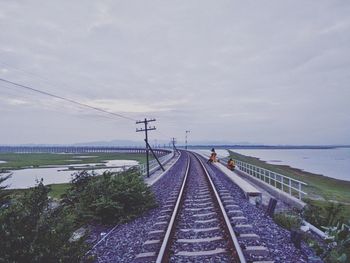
(266, 196)
(156, 175)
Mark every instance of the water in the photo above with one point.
(55, 175)
(329, 162)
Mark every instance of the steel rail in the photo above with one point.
(112, 230)
(232, 234)
(164, 253)
(167, 238)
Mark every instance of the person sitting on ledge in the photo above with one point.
(231, 164)
(212, 158)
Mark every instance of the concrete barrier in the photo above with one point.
(277, 193)
(251, 192)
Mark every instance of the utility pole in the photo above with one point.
(173, 140)
(146, 129)
(186, 139)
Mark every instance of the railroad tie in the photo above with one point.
(201, 196)
(198, 200)
(228, 202)
(146, 255)
(165, 211)
(201, 253)
(155, 232)
(205, 214)
(232, 206)
(223, 198)
(199, 209)
(198, 204)
(198, 230)
(205, 221)
(203, 192)
(161, 223)
(199, 240)
(235, 212)
(242, 226)
(152, 242)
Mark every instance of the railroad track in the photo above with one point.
(200, 222)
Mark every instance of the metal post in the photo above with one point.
(147, 154)
(290, 187)
(155, 156)
(146, 129)
(174, 147)
(186, 139)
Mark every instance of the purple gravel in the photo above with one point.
(274, 237)
(187, 220)
(125, 242)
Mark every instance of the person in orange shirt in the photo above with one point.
(212, 158)
(231, 164)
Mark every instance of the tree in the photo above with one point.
(31, 232)
(4, 195)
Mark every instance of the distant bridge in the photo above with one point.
(77, 149)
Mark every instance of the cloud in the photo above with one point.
(254, 71)
(16, 102)
(133, 106)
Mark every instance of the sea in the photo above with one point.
(334, 162)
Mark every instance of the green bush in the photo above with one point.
(110, 198)
(339, 244)
(4, 195)
(323, 213)
(31, 232)
(288, 221)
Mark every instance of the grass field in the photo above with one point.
(35, 160)
(320, 189)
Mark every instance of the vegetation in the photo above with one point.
(323, 213)
(31, 232)
(20, 160)
(288, 220)
(328, 207)
(110, 198)
(57, 190)
(321, 190)
(33, 228)
(4, 195)
(339, 244)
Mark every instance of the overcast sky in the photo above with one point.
(272, 72)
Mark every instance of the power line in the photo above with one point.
(65, 99)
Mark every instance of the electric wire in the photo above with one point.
(48, 81)
(66, 99)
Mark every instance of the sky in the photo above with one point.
(267, 72)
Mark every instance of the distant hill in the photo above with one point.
(121, 143)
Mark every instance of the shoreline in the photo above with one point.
(319, 185)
